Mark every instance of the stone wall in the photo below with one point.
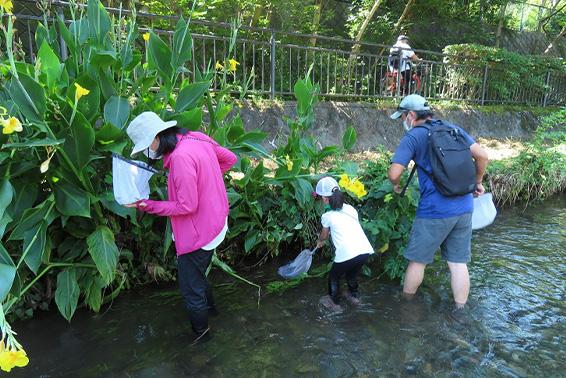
(373, 125)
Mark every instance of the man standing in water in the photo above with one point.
(441, 221)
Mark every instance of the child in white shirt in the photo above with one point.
(351, 244)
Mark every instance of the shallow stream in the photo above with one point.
(516, 325)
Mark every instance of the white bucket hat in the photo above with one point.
(412, 102)
(325, 186)
(143, 129)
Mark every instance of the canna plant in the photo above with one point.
(62, 234)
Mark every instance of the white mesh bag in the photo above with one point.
(484, 211)
(130, 179)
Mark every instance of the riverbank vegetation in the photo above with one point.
(65, 242)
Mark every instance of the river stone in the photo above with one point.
(518, 370)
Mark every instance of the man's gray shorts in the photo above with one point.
(453, 235)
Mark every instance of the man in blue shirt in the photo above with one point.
(444, 222)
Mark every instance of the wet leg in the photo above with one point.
(413, 278)
(460, 281)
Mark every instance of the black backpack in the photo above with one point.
(394, 58)
(453, 168)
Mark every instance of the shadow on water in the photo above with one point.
(515, 326)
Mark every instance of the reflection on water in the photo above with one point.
(515, 327)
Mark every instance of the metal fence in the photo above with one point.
(272, 61)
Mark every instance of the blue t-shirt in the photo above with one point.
(432, 204)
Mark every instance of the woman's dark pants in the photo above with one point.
(351, 268)
(191, 270)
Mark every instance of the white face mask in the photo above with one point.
(152, 154)
(407, 125)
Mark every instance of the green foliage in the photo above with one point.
(508, 72)
(539, 171)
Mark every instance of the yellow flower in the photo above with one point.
(6, 5)
(289, 163)
(145, 36)
(10, 125)
(233, 65)
(80, 91)
(353, 186)
(12, 358)
(344, 181)
(218, 66)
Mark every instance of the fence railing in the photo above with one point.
(272, 61)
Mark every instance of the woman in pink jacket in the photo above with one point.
(197, 203)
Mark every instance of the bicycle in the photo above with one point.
(415, 85)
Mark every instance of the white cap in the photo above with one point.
(402, 37)
(412, 102)
(143, 129)
(325, 186)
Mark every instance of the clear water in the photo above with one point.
(515, 327)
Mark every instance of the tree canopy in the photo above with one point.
(432, 24)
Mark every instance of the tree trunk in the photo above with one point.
(256, 16)
(500, 25)
(540, 15)
(551, 45)
(397, 25)
(316, 21)
(363, 27)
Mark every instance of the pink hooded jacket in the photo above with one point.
(197, 201)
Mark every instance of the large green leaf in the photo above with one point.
(67, 36)
(126, 53)
(93, 293)
(190, 96)
(79, 140)
(182, 44)
(117, 111)
(26, 195)
(35, 241)
(349, 138)
(235, 130)
(98, 20)
(41, 35)
(103, 58)
(79, 30)
(70, 200)
(35, 143)
(108, 133)
(30, 218)
(29, 96)
(302, 94)
(7, 272)
(5, 257)
(49, 65)
(159, 57)
(7, 275)
(106, 82)
(303, 190)
(104, 252)
(6, 219)
(67, 293)
(252, 239)
(6, 195)
(191, 119)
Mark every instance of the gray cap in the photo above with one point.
(412, 102)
